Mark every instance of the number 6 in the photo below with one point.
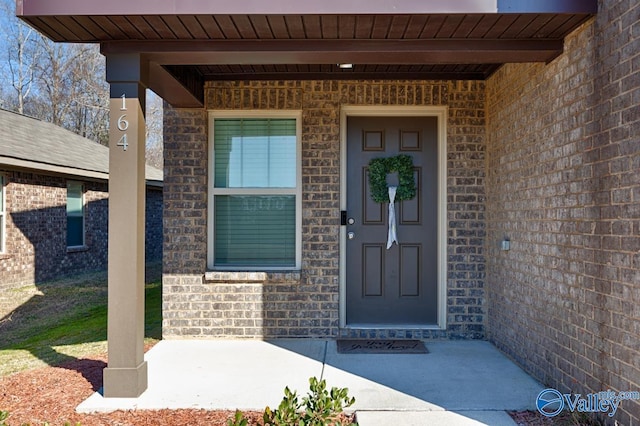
(122, 123)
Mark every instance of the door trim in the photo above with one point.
(400, 111)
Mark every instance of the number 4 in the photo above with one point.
(123, 142)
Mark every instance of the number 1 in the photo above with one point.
(124, 106)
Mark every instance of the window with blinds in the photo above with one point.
(75, 214)
(255, 193)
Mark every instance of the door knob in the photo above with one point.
(351, 235)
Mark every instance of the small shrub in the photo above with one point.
(323, 407)
(319, 408)
(287, 412)
(238, 420)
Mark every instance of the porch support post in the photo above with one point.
(126, 373)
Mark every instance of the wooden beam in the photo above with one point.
(240, 7)
(294, 7)
(247, 52)
(183, 89)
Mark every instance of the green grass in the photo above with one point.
(62, 321)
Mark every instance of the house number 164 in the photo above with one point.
(123, 125)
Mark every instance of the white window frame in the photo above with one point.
(276, 114)
(3, 214)
(84, 214)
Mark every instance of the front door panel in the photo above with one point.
(398, 286)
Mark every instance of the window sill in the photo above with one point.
(252, 277)
(77, 249)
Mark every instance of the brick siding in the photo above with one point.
(306, 304)
(563, 184)
(36, 240)
(36, 223)
(553, 168)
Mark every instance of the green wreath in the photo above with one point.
(379, 168)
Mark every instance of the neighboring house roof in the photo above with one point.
(27, 142)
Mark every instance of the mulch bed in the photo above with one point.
(51, 394)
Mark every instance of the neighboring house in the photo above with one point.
(54, 203)
(520, 117)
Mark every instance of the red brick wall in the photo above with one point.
(307, 303)
(36, 245)
(563, 183)
(36, 223)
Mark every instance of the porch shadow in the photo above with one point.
(41, 325)
(66, 303)
(91, 370)
(454, 376)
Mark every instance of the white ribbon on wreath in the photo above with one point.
(392, 237)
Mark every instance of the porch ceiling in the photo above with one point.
(190, 42)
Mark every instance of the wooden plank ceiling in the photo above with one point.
(194, 48)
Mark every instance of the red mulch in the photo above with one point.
(51, 394)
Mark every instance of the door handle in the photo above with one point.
(351, 235)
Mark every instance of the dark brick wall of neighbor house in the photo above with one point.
(36, 245)
(563, 183)
(153, 225)
(306, 303)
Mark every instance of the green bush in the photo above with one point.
(238, 420)
(287, 412)
(321, 407)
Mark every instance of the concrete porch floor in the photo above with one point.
(456, 383)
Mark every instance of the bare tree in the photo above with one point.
(56, 82)
(64, 84)
(153, 118)
(89, 115)
(21, 51)
(72, 91)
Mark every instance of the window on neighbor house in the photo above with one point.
(75, 214)
(2, 214)
(255, 204)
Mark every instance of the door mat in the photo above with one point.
(362, 346)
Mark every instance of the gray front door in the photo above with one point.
(396, 286)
